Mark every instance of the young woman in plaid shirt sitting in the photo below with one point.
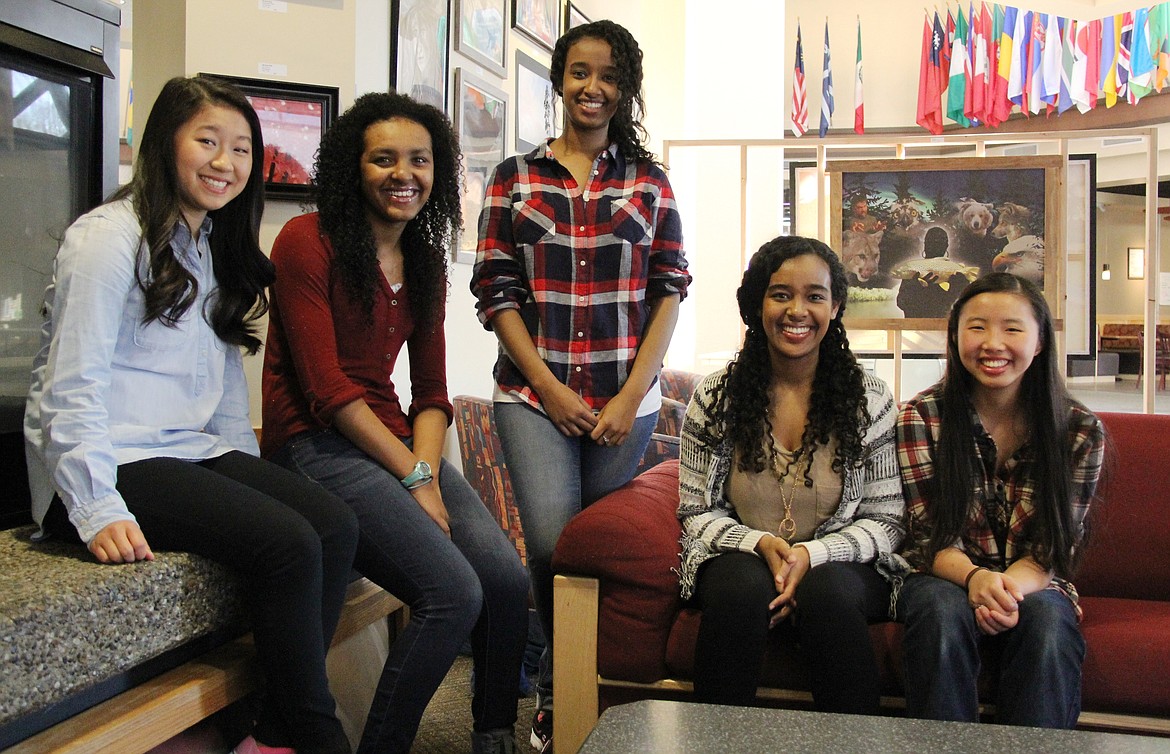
(999, 465)
(579, 273)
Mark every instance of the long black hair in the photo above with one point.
(342, 205)
(625, 128)
(1044, 402)
(242, 270)
(837, 406)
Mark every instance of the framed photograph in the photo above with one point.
(540, 20)
(418, 49)
(482, 33)
(536, 104)
(293, 118)
(914, 233)
(1135, 263)
(481, 120)
(573, 16)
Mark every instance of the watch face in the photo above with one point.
(424, 468)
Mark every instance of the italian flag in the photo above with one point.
(858, 99)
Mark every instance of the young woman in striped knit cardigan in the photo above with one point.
(789, 490)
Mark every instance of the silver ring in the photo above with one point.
(604, 440)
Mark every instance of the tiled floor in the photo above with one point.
(1108, 394)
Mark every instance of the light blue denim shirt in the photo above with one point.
(108, 389)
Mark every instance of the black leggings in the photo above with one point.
(292, 544)
(835, 603)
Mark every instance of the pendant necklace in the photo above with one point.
(787, 524)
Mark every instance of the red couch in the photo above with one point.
(623, 633)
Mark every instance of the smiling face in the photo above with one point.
(213, 159)
(998, 338)
(590, 85)
(798, 307)
(397, 170)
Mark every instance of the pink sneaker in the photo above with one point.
(249, 746)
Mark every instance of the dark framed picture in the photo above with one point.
(481, 120)
(573, 16)
(419, 38)
(293, 118)
(540, 20)
(914, 233)
(536, 104)
(482, 33)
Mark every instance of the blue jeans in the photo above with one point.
(554, 477)
(1040, 663)
(471, 586)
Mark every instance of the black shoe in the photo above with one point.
(542, 731)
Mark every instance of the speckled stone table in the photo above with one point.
(68, 623)
(657, 726)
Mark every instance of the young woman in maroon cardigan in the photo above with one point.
(355, 283)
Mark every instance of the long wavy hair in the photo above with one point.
(625, 128)
(341, 205)
(242, 270)
(1044, 402)
(837, 406)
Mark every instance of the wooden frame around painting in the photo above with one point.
(573, 17)
(481, 121)
(293, 118)
(981, 214)
(419, 39)
(536, 104)
(540, 20)
(482, 33)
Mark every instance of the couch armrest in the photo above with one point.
(629, 541)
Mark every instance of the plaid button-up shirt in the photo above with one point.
(982, 540)
(581, 268)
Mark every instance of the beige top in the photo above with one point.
(758, 499)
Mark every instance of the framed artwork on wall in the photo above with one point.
(914, 233)
(573, 16)
(293, 118)
(481, 120)
(418, 49)
(536, 104)
(540, 20)
(481, 33)
(1135, 268)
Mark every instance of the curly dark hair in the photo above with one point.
(242, 270)
(837, 407)
(625, 128)
(341, 205)
(1045, 401)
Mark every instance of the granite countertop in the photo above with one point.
(67, 621)
(658, 726)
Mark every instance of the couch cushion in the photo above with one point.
(1127, 555)
(1128, 656)
(630, 540)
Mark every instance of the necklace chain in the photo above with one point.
(787, 526)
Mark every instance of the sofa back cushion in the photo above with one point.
(1127, 554)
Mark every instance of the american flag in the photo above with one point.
(799, 105)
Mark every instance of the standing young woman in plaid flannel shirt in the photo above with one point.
(579, 273)
(999, 465)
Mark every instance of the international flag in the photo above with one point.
(1109, 42)
(973, 105)
(826, 87)
(1093, 62)
(1141, 61)
(929, 75)
(944, 55)
(799, 101)
(957, 94)
(130, 115)
(1068, 43)
(1034, 74)
(1001, 105)
(1051, 53)
(858, 97)
(1021, 36)
(1125, 38)
(1159, 44)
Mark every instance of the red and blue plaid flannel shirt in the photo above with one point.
(581, 269)
(918, 432)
